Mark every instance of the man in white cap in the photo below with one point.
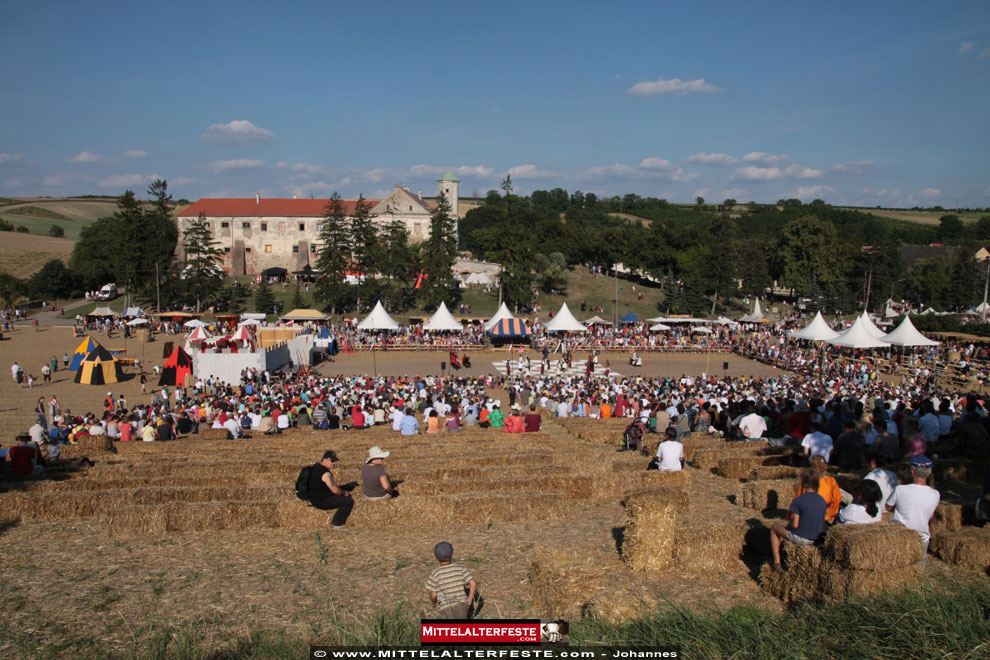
(374, 481)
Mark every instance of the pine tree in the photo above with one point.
(334, 255)
(264, 299)
(297, 299)
(396, 261)
(439, 253)
(202, 272)
(364, 247)
(160, 235)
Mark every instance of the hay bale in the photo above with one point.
(214, 434)
(949, 517)
(622, 597)
(637, 463)
(802, 577)
(90, 445)
(708, 546)
(708, 458)
(774, 472)
(563, 582)
(875, 547)
(129, 521)
(679, 478)
(958, 469)
(661, 495)
(774, 495)
(839, 582)
(738, 467)
(693, 445)
(968, 547)
(649, 536)
(60, 506)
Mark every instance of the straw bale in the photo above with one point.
(563, 581)
(968, 547)
(950, 517)
(679, 478)
(648, 544)
(773, 495)
(709, 546)
(708, 458)
(839, 582)
(210, 494)
(692, 445)
(630, 463)
(958, 469)
(621, 598)
(60, 506)
(660, 495)
(802, 577)
(214, 434)
(875, 547)
(769, 472)
(90, 445)
(738, 467)
(135, 521)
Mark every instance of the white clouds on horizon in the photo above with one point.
(805, 193)
(720, 159)
(648, 168)
(857, 167)
(792, 171)
(128, 180)
(88, 157)
(929, 193)
(9, 158)
(56, 180)
(219, 166)
(134, 153)
(763, 158)
(674, 86)
(530, 171)
(236, 133)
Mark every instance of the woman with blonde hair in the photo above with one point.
(828, 488)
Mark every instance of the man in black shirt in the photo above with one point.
(325, 494)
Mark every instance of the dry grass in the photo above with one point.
(958, 469)
(969, 547)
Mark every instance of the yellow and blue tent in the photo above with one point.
(509, 328)
(99, 368)
(85, 348)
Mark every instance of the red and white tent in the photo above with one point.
(199, 334)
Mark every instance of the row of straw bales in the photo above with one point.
(854, 561)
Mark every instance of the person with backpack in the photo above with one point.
(316, 484)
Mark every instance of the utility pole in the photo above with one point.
(986, 286)
(869, 281)
(158, 293)
(615, 300)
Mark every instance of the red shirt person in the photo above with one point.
(23, 457)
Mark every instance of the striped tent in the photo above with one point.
(177, 366)
(85, 348)
(99, 368)
(509, 328)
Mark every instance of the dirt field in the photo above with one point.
(24, 254)
(207, 535)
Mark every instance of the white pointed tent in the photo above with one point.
(927, 311)
(597, 320)
(564, 321)
(502, 313)
(907, 335)
(756, 316)
(871, 327)
(659, 327)
(817, 330)
(378, 319)
(857, 337)
(442, 319)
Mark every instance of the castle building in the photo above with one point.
(257, 234)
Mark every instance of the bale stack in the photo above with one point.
(92, 446)
(949, 517)
(861, 560)
(563, 582)
(214, 434)
(651, 519)
(705, 547)
(738, 467)
(802, 579)
(708, 458)
(774, 472)
(693, 444)
(969, 547)
(773, 495)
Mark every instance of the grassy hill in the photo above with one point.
(23, 254)
(922, 217)
(38, 215)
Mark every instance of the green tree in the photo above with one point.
(950, 227)
(161, 236)
(364, 245)
(57, 231)
(11, 289)
(512, 249)
(127, 250)
(552, 269)
(93, 254)
(720, 255)
(438, 255)
(699, 200)
(807, 255)
(22, 229)
(982, 228)
(298, 302)
(54, 280)
(264, 299)
(334, 255)
(201, 272)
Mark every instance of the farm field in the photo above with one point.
(23, 254)
(38, 215)
(923, 217)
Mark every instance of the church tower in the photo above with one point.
(448, 184)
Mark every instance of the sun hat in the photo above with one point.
(376, 452)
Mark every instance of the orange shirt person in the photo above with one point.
(605, 410)
(515, 423)
(828, 488)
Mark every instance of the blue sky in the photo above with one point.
(879, 103)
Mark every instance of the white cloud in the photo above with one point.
(235, 164)
(792, 171)
(648, 168)
(237, 132)
(128, 180)
(134, 153)
(763, 158)
(302, 168)
(318, 188)
(88, 157)
(858, 167)
(721, 159)
(656, 164)
(809, 192)
(674, 86)
(18, 182)
(377, 174)
(480, 171)
(966, 47)
(929, 193)
(9, 158)
(701, 192)
(530, 171)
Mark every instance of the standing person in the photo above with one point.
(46, 373)
(447, 582)
(807, 521)
(53, 364)
(914, 504)
(375, 483)
(65, 360)
(53, 407)
(144, 382)
(325, 494)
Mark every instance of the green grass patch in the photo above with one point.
(39, 212)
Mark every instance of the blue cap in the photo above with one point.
(920, 461)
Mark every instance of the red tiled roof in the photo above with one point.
(249, 207)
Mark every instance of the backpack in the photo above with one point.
(302, 483)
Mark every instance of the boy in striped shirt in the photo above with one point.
(446, 584)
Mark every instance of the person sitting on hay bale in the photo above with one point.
(751, 426)
(632, 437)
(375, 483)
(807, 523)
(864, 509)
(447, 582)
(514, 422)
(828, 488)
(670, 453)
(914, 504)
(325, 494)
(817, 443)
(886, 479)
(267, 425)
(533, 420)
